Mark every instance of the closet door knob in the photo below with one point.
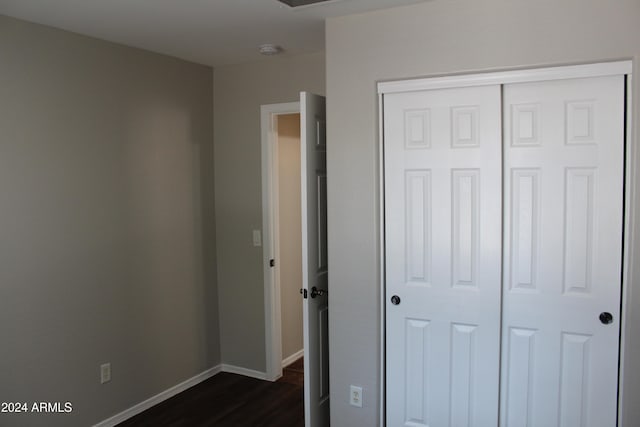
(395, 300)
(606, 317)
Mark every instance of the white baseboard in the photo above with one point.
(244, 371)
(158, 398)
(295, 356)
(179, 388)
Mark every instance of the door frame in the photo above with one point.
(271, 250)
(631, 170)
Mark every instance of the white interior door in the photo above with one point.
(314, 259)
(563, 154)
(443, 235)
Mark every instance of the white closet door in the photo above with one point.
(563, 154)
(443, 256)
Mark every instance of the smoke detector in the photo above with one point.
(298, 3)
(269, 49)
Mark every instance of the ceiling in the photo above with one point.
(211, 32)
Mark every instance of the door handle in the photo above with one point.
(395, 300)
(315, 292)
(606, 318)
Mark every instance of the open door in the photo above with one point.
(313, 172)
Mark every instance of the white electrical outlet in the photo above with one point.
(105, 373)
(355, 396)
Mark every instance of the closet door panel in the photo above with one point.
(442, 250)
(563, 159)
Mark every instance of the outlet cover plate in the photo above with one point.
(355, 396)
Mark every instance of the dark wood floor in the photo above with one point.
(229, 400)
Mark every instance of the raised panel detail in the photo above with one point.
(574, 379)
(525, 218)
(322, 221)
(321, 134)
(580, 122)
(418, 225)
(525, 125)
(417, 372)
(579, 229)
(520, 374)
(417, 128)
(465, 184)
(464, 127)
(323, 322)
(463, 348)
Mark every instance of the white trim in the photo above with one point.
(507, 77)
(159, 398)
(629, 249)
(383, 288)
(179, 388)
(244, 371)
(273, 331)
(295, 356)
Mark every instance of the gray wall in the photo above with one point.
(239, 92)
(290, 231)
(107, 244)
(440, 36)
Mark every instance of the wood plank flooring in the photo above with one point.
(229, 400)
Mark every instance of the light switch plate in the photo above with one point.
(105, 373)
(257, 238)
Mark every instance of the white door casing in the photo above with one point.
(443, 256)
(564, 164)
(314, 259)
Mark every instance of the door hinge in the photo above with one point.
(304, 293)
(272, 263)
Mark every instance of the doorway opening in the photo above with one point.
(282, 236)
(313, 288)
(288, 235)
